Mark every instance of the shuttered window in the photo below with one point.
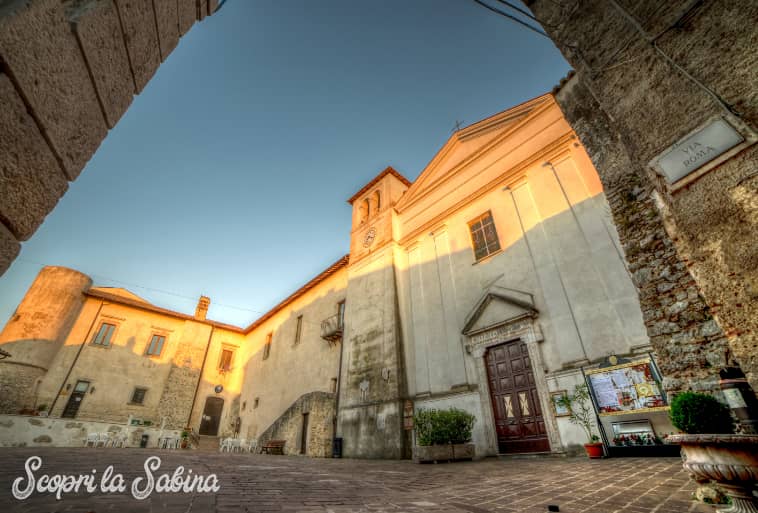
(155, 347)
(104, 334)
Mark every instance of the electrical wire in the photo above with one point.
(166, 292)
(512, 18)
(151, 289)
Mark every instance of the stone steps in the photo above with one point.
(207, 443)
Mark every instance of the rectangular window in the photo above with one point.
(484, 236)
(225, 363)
(267, 347)
(138, 396)
(104, 334)
(298, 329)
(155, 347)
(341, 313)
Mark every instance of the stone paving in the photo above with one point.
(260, 483)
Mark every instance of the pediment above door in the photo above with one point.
(497, 307)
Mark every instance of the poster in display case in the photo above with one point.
(631, 387)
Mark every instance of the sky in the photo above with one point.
(229, 174)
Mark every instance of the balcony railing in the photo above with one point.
(331, 328)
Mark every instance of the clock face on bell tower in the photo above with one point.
(369, 238)
(373, 212)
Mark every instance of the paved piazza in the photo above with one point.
(284, 483)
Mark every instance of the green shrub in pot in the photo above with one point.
(695, 413)
(439, 427)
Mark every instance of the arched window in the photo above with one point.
(375, 203)
(363, 211)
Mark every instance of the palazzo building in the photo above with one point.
(491, 281)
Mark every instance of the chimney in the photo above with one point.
(202, 307)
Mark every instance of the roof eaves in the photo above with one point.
(336, 266)
(389, 170)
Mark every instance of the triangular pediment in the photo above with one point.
(468, 144)
(499, 306)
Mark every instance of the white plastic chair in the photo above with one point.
(102, 439)
(92, 438)
(119, 441)
(235, 445)
(252, 445)
(223, 444)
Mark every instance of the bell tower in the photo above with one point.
(370, 418)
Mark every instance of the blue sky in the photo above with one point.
(229, 175)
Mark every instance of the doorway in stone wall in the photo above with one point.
(304, 435)
(211, 416)
(75, 401)
(519, 420)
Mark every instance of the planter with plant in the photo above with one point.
(582, 414)
(443, 435)
(185, 439)
(710, 452)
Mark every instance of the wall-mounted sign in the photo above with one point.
(408, 415)
(626, 388)
(697, 149)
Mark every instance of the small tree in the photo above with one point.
(580, 410)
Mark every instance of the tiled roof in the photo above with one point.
(387, 171)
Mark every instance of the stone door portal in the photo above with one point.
(519, 421)
(211, 416)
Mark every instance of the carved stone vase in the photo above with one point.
(731, 461)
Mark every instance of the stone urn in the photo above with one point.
(731, 461)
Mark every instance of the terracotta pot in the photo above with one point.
(729, 460)
(594, 450)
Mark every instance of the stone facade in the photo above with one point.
(653, 74)
(69, 71)
(411, 318)
(319, 406)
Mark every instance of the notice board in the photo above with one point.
(631, 387)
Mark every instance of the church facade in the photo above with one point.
(491, 282)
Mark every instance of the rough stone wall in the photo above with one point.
(320, 407)
(657, 71)
(35, 333)
(186, 368)
(689, 345)
(68, 71)
(17, 383)
(22, 431)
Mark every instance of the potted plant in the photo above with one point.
(443, 435)
(185, 439)
(582, 414)
(710, 452)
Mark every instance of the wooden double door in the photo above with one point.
(519, 419)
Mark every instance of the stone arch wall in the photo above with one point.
(68, 72)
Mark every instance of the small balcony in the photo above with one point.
(331, 328)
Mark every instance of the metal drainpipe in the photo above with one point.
(339, 380)
(76, 358)
(202, 368)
